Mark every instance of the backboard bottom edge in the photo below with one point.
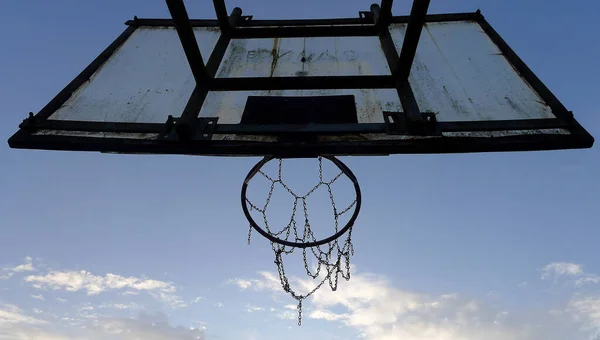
(437, 145)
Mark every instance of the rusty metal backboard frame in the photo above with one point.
(189, 134)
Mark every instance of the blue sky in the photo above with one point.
(495, 246)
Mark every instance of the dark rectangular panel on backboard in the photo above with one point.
(300, 110)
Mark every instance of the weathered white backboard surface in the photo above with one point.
(459, 73)
(144, 81)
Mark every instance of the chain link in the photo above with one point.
(334, 269)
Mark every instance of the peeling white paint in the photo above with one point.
(288, 57)
(145, 136)
(144, 81)
(507, 133)
(460, 74)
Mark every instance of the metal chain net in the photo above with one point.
(332, 257)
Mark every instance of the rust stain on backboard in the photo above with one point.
(274, 56)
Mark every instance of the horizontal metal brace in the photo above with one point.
(248, 32)
(416, 145)
(304, 22)
(301, 83)
(321, 129)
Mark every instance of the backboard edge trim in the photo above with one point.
(437, 145)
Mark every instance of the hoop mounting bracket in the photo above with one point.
(366, 15)
(398, 123)
(205, 128)
(29, 123)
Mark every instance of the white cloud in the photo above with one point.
(267, 281)
(586, 309)
(6, 276)
(502, 314)
(154, 327)
(11, 314)
(287, 315)
(472, 306)
(27, 332)
(197, 299)
(375, 309)
(557, 269)
(25, 267)
(449, 296)
(573, 271)
(378, 310)
(38, 297)
(85, 307)
(16, 325)
(74, 281)
(94, 284)
(327, 315)
(130, 292)
(587, 279)
(251, 309)
(61, 299)
(119, 306)
(172, 300)
(244, 284)
(219, 304)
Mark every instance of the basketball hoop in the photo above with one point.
(327, 251)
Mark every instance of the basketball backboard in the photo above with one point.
(373, 85)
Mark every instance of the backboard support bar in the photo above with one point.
(186, 125)
(188, 40)
(222, 17)
(412, 114)
(411, 39)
